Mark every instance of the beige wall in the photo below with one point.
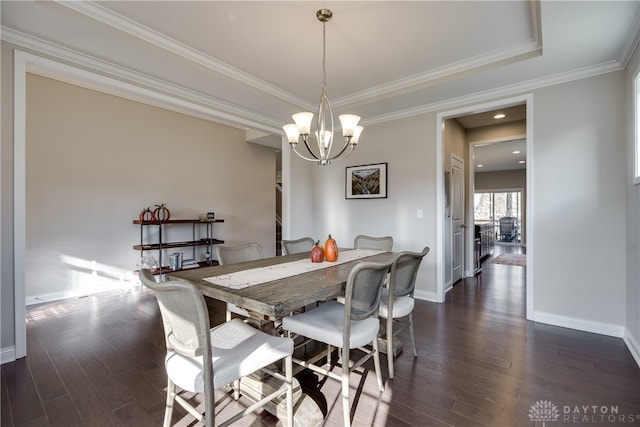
(94, 161)
(579, 176)
(579, 181)
(408, 146)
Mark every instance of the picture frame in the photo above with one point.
(366, 181)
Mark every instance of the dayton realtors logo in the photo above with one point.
(546, 411)
(543, 411)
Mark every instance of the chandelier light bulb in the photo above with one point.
(303, 121)
(349, 123)
(292, 133)
(356, 135)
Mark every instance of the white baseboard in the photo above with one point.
(7, 355)
(77, 293)
(425, 295)
(632, 345)
(579, 324)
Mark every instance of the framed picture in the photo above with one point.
(366, 181)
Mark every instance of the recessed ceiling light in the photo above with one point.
(522, 162)
(480, 166)
(516, 152)
(499, 116)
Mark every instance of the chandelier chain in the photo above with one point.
(324, 57)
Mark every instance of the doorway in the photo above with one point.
(526, 103)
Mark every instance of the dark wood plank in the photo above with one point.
(62, 412)
(6, 416)
(22, 392)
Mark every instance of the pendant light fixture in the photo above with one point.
(323, 131)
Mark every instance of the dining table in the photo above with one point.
(271, 288)
(273, 299)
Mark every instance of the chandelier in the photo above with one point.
(323, 131)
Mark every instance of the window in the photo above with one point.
(493, 206)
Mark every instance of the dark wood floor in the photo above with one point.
(98, 361)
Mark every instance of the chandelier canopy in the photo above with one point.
(323, 131)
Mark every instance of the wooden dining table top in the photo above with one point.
(277, 298)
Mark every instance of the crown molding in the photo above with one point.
(440, 75)
(391, 89)
(631, 41)
(135, 29)
(133, 85)
(493, 59)
(502, 92)
(87, 71)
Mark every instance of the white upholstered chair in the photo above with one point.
(397, 300)
(347, 326)
(201, 359)
(304, 244)
(369, 242)
(235, 254)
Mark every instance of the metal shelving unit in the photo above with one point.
(160, 245)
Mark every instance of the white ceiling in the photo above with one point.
(499, 155)
(253, 64)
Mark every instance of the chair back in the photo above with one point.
(404, 271)
(241, 253)
(184, 315)
(369, 242)
(304, 244)
(363, 290)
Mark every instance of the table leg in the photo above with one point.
(306, 410)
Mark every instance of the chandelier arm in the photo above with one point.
(302, 156)
(323, 109)
(306, 144)
(346, 145)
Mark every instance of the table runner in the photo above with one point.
(246, 278)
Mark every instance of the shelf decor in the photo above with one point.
(366, 181)
(147, 215)
(161, 213)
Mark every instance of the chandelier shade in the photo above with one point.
(301, 129)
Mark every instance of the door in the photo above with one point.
(457, 218)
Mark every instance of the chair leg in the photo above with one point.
(389, 334)
(346, 371)
(209, 406)
(376, 364)
(168, 410)
(289, 378)
(236, 389)
(413, 337)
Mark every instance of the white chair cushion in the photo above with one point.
(402, 306)
(326, 324)
(237, 350)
